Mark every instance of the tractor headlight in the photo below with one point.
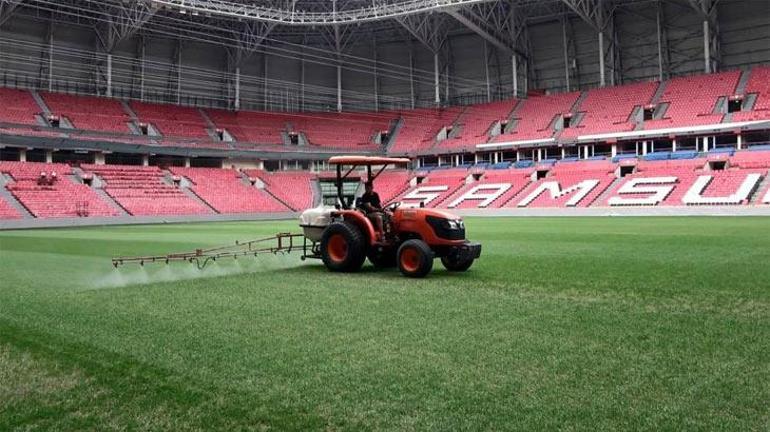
(454, 224)
(450, 229)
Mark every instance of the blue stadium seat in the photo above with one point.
(623, 157)
(684, 154)
(501, 165)
(523, 164)
(656, 156)
(728, 150)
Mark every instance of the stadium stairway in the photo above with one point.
(40, 102)
(508, 199)
(245, 179)
(393, 135)
(575, 109)
(109, 200)
(8, 197)
(96, 187)
(602, 198)
(511, 124)
(743, 81)
(658, 93)
(211, 128)
(129, 111)
(267, 190)
(193, 196)
(761, 190)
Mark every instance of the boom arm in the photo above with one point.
(279, 243)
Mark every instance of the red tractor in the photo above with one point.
(344, 236)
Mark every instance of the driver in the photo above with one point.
(371, 204)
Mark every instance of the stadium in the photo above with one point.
(224, 215)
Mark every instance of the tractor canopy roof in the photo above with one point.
(366, 160)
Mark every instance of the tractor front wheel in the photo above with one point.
(415, 258)
(343, 248)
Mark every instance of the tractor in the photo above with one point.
(344, 236)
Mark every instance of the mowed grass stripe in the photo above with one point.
(561, 325)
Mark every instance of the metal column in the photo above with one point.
(566, 54)
(515, 67)
(486, 71)
(109, 75)
(237, 101)
(602, 73)
(437, 99)
(411, 75)
(706, 46)
(339, 87)
(179, 75)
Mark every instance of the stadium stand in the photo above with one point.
(17, 106)
(172, 120)
(674, 178)
(535, 117)
(574, 184)
(142, 191)
(474, 123)
(89, 113)
(492, 190)
(48, 191)
(435, 187)
(759, 84)
(692, 100)
(227, 191)
(7, 211)
(608, 109)
(293, 188)
(751, 159)
(420, 128)
(683, 101)
(392, 183)
(349, 131)
(251, 126)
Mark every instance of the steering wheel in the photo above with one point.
(394, 206)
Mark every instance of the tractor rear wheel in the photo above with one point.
(343, 247)
(456, 265)
(415, 258)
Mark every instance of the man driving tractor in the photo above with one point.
(370, 203)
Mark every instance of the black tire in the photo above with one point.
(415, 258)
(334, 257)
(382, 259)
(455, 265)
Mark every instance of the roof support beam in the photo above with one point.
(290, 16)
(474, 25)
(7, 8)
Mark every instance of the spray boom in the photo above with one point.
(279, 243)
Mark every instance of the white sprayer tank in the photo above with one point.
(313, 221)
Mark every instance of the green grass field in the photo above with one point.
(564, 324)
